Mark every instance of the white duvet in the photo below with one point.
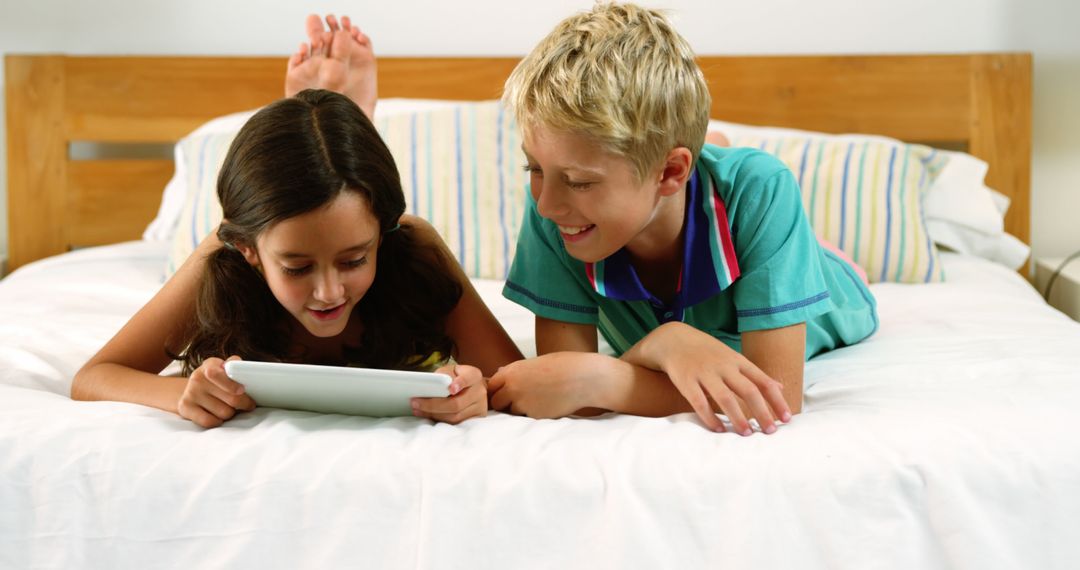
(944, 441)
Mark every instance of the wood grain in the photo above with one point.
(977, 102)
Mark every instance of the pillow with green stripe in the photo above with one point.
(460, 165)
(862, 193)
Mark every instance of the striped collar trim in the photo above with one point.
(709, 261)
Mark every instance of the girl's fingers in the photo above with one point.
(213, 405)
(217, 377)
(472, 410)
(346, 24)
(451, 404)
(332, 23)
(465, 377)
(200, 417)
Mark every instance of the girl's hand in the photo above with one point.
(553, 385)
(211, 397)
(467, 399)
(702, 368)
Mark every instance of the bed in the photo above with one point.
(944, 441)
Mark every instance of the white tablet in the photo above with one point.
(336, 389)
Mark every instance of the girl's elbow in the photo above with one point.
(80, 385)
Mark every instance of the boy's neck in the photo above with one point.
(657, 251)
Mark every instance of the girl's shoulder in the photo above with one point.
(422, 229)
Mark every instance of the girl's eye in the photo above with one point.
(296, 271)
(353, 264)
(578, 185)
(533, 169)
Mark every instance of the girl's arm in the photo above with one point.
(480, 339)
(126, 368)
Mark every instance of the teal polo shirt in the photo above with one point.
(750, 262)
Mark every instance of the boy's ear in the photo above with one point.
(676, 171)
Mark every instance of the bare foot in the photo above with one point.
(717, 138)
(339, 59)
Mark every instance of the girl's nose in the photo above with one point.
(329, 287)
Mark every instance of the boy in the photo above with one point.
(696, 263)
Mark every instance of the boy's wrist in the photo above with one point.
(612, 385)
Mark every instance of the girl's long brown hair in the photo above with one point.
(292, 157)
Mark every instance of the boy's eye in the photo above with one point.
(296, 271)
(578, 185)
(533, 169)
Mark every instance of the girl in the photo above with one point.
(314, 262)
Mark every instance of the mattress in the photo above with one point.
(943, 441)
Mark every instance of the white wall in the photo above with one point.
(501, 27)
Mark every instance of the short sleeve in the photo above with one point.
(542, 277)
(781, 280)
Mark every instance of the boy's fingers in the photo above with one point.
(773, 392)
(332, 23)
(728, 403)
(700, 404)
(495, 383)
(755, 403)
(500, 399)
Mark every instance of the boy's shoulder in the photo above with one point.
(740, 173)
(727, 162)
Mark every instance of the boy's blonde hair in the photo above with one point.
(619, 74)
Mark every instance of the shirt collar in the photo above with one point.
(709, 262)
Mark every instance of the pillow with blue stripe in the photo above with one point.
(862, 193)
(460, 165)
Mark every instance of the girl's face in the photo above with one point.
(320, 264)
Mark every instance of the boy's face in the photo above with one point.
(593, 195)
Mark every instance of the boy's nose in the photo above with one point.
(549, 203)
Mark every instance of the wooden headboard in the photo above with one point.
(980, 103)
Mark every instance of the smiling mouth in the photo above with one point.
(328, 314)
(575, 233)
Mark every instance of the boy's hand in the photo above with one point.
(211, 397)
(554, 385)
(704, 369)
(467, 399)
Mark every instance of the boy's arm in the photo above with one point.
(568, 378)
(780, 353)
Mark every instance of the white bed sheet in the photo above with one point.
(944, 441)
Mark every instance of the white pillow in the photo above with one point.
(961, 212)
(459, 164)
(163, 226)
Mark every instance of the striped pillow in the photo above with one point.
(862, 193)
(460, 167)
